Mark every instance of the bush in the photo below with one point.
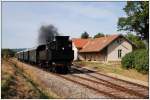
(141, 61)
(138, 60)
(128, 61)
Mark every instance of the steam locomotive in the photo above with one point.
(56, 55)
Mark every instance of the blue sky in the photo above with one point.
(22, 20)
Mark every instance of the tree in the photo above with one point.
(85, 35)
(137, 19)
(99, 35)
(136, 40)
(7, 53)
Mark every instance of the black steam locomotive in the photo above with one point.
(56, 55)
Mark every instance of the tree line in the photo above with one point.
(6, 53)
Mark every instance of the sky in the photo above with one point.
(21, 20)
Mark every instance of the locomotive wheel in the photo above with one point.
(58, 69)
(66, 70)
(50, 69)
(54, 69)
(61, 70)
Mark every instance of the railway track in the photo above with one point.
(107, 90)
(145, 87)
(110, 89)
(128, 87)
(89, 87)
(129, 92)
(114, 86)
(113, 91)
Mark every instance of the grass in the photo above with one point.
(42, 95)
(15, 84)
(31, 75)
(114, 68)
(5, 84)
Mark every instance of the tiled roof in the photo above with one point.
(94, 45)
(80, 43)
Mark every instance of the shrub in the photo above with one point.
(128, 61)
(138, 60)
(141, 61)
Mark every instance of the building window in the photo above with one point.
(119, 53)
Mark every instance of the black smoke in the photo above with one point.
(47, 33)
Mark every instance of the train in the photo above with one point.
(56, 55)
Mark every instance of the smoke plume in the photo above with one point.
(47, 33)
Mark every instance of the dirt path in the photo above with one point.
(16, 86)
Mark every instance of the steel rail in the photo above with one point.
(114, 86)
(145, 87)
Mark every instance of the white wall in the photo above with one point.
(75, 51)
(112, 50)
